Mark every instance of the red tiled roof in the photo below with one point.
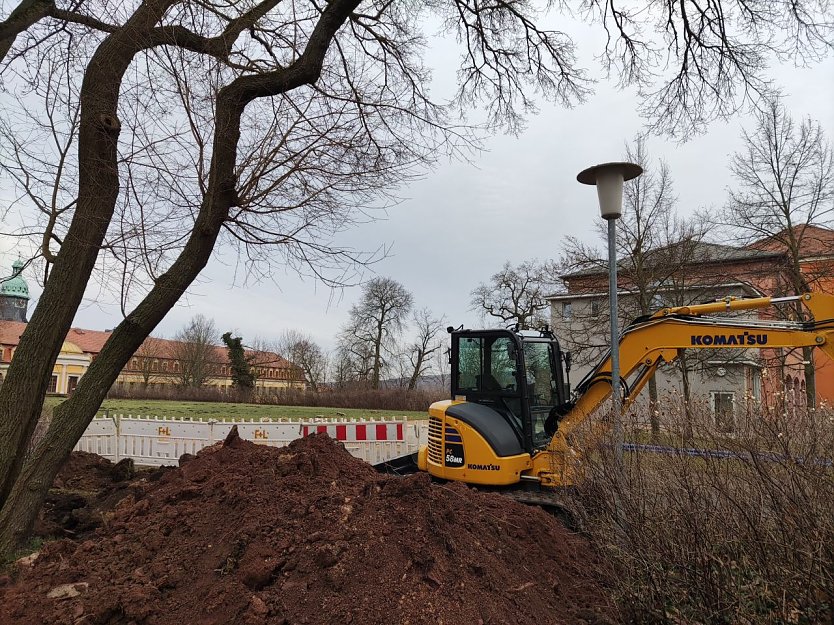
(10, 332)
(813, 241)
(92, 342)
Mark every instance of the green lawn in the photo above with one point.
(211, 410)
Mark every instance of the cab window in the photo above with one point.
(487, 365)
(542, 393)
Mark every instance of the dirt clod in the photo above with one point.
(249, 534)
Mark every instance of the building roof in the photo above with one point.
(698, 252)
(92, 342)
(15, 286)
(812, 241)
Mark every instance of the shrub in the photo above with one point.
(707, 538)
(359, 397)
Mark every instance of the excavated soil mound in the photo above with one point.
(307, 534)
(85, 490)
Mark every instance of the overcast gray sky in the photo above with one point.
(459, 224)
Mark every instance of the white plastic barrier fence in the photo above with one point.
(157, 441)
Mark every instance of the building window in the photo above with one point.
(722, 409)
(165, 365)
(135, 364)
(176, 367)
(53, 384)
(567, 310)
(595, 308)
(154, 365)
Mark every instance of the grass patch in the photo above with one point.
(34, 544)
(224, 411)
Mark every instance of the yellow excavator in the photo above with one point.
(510, 418)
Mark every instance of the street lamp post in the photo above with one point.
(608, 179)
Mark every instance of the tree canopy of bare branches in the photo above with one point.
(516, 294)
(173, 127)
(376, 322)
(784, 189)
(194, 350)
(302, 351)
(658, 252)
(427, 341)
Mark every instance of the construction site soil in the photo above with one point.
(307, 534)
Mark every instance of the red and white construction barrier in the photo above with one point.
(159, 441)
(357, 432)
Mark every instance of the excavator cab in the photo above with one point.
(504, 387)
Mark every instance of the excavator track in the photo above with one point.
(555, 501)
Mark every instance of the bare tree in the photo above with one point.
(271, 126)
(343, 369)
(785, 187)
(147, 359)
(516, 295)
(375, 325)
(194, 350)
(442, 364)
(657, 252)
(426, 342)
(303, 352)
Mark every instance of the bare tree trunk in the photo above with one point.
(654, 415)
(415, 374)
(377, 355)
(810, 377)
(687, 396)
(98, 189)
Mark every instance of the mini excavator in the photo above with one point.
(510, 418)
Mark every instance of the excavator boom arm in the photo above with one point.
(649, 341)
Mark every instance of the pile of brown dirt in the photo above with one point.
(307, 534)
(85, 490)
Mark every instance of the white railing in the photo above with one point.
(157, 441)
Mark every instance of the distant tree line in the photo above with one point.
(386, 343)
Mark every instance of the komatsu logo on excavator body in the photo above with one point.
(718, 340)
(483, 467)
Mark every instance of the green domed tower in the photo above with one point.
(14, 295)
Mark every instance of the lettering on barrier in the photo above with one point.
(163, 431)
(261, 434)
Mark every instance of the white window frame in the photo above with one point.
(713, 395)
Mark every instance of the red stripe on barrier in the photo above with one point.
(341, 432)
(400, 432)
(321, 429)
(306, 431)
(361, 435)
(381, 432)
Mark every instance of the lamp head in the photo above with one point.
(609, 178)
